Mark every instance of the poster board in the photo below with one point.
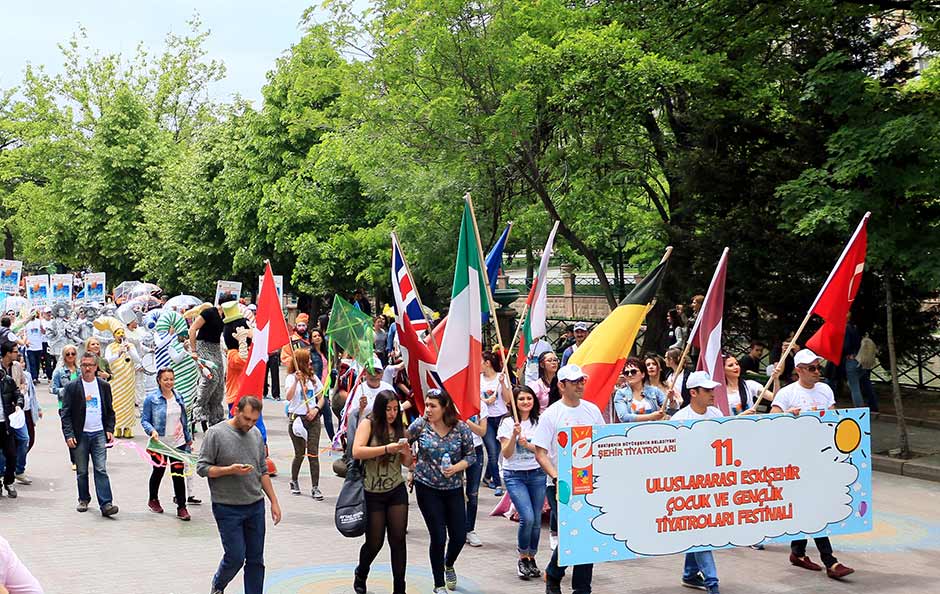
(95, 287)
(61, 285)
(661, 488)
(225, 287)
(37, 290)
(278, 284)
(10, 273)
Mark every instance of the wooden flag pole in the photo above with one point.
(489, 297)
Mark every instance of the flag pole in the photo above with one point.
(489, 296)
(809, 314)
(417, 295)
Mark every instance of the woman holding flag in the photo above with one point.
(496, 393)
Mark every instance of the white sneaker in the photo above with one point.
(23, 479)
(473, 540)
(553, 540)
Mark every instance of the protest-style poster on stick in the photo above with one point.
(227, 288)
(650, 489)
(61, 287)
(37, 290)
(94, 290)
(278, 284)
(10, 273)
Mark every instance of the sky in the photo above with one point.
(247, 35)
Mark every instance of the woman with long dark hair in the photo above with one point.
(525, 479)
(495, 392)
(445, 450)
(381, 444)
(637, 402)
(319, 359)
(545, 386)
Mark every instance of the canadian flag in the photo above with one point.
(270, 335)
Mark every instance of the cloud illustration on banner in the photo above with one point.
(819, 497)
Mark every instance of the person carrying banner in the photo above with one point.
(807, 394)
(570, 411)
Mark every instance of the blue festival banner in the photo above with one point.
(10, 273)
(662, 488)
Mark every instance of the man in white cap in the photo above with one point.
(805, 395)
(362, 399)
(570, 411)
(580, 333)
(700, 571)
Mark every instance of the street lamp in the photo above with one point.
(620, 236)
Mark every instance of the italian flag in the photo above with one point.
(460, 359)
(533, 327)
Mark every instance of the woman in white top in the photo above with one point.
(304, 393)
(525, 479)
(742, 393)
(163, 418)
(474, 472)
(495, 391)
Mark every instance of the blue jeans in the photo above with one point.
(492, 450)
(527, 491)
(21, 438)
(853, 372)
(32, 363)
(868, 391)
(474, 473)
(702, 561)
(241, 528)
(93, 444)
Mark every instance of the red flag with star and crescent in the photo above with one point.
(270, 335)
(836, 297)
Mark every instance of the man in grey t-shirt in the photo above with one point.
(232, 458)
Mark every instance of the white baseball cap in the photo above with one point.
(377, 364)
(701, 379)
(571, 373)
(805, 357)
(581, 326)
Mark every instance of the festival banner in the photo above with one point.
(278, 284)
(94, 287)
(61, 287)
(10, 273)
(663, 488)
(227, 288)
(37, 290)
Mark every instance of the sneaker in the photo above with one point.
(316, 494)
(551, 586)
(155, 507)
(441, 590)
(534, 570)
(294, 488)
(489, 484)
(473, 540)
(359, 583)
(522, 569)
(553, 540)
(11, 491)
(499, 492)
(758, 547)
(183, 514)
(82, 507)
(696, 582)
(109, 510)
(193, 500)
(450, 578)
(23, 479)
(713, 590)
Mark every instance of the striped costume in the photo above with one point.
(123, 375)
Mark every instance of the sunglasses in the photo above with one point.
(630, 372)
(812, 368)
(577, 381)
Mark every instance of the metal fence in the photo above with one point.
(920, 372)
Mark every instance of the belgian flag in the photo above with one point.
(603, 353)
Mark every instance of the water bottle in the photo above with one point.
(445, 462)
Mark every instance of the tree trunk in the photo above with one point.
(903, 441)
(7, 244)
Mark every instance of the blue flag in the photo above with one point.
(494, 261)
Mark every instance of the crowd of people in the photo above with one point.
(105, 390)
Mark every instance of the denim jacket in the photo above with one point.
(624, 396)
(153, 415)
(60, 378)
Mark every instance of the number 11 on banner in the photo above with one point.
(724, 446)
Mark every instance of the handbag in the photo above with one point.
(350, 513)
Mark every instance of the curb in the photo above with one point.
(925, 468)
(913, 422)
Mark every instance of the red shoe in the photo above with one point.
(155, 507)
(838, 571)
(183, 514)
(804, 562)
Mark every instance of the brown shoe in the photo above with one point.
(155, 507)
(838, 571)
(804, 562)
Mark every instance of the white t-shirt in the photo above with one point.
(369, 392)
(489, 387)
(687, 414)
(819, 397)
(734, 397)
(298, 404)
(92, 407)
(522, 458)
(34, 336)
(484, 414)
(174, 423)
(559, 416)
(532, 362)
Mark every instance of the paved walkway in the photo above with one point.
(145, 553)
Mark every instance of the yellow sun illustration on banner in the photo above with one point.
(848, 435)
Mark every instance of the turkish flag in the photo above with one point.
(836, 297)
(270, 335)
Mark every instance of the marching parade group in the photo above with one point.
(169, 371)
